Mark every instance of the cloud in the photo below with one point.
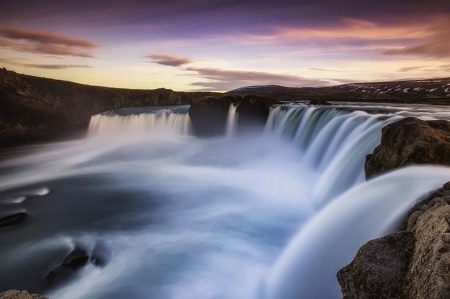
(411, 68)
(231, 79)
(45, 66)
(168, 60)
(45, 43)
(323, 70)
(436, 45)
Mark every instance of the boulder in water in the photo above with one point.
(410, 141)
(15, 294)
(13, 219)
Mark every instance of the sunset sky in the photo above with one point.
(224, 44)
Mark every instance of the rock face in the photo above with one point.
(413, 263)
(209, 115)
(410, 141)
(15, 294)
(33, 108)
(318, 102)
(379, 269)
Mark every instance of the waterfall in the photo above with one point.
(256, 216)
(164, 120)
(232, 120)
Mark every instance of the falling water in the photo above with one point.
(232, 120)
(162, 120)
(267, 217)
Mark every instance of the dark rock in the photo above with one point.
(13, 219)
(15, 294)
(414, 263)
(318, 102)
(209, 115)
(410, 141)
(378, 271)
(76, 260)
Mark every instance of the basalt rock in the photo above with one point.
(413, 263)
(209, 115)
(15, 294)
(410, 141)
(379, 269)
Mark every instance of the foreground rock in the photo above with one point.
(379, 269)
(410, 141)
(209, 115)
(15, 294)
(33, 108)
(413, 263)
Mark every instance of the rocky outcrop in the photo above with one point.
(33, 108)
(413, 263)
(15, 294)
(209, 115)
(410, 141)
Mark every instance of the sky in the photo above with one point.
(221, 45)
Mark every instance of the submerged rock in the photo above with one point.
(14, 219)
(76, 260)
(15, 294)
(410, 141)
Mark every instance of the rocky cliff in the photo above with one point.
(34, 108)
(415, 262)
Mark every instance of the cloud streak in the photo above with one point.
(45, 66)
(45, 43)
(219, 79)
(436, 45)
(168, 60)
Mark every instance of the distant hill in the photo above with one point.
(434, 91)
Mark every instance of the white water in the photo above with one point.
(164, 121)
(232, 120)
(272, 216)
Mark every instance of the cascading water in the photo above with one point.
(232, 120)
(162, 120)
(175, 216)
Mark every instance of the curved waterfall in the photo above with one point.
(262, 216)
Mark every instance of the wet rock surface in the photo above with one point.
(13, 219)
(15, 294)
(209, 115)
(410, 141)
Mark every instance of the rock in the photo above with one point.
(410, 141)
(414, 263)
(14, 219)
(76, 260)
(318, 102)
(428, 275)
(209, 115)
(15, 294)
(379, 268)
